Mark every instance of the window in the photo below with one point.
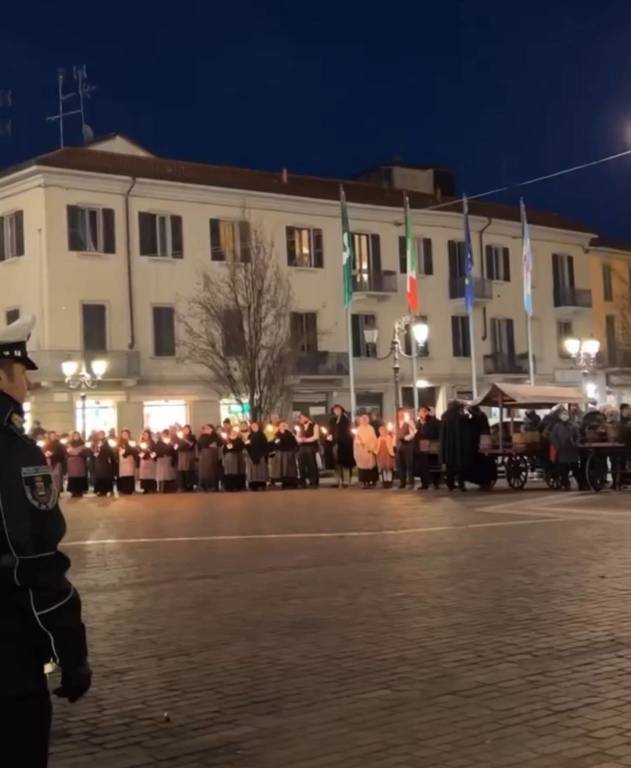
(564, 331)
(12, 315)
(460, 336)
(503, 338)
(607, 283)
(304, 247)
(94, 327)
(360, 323)
(11, 235)
(367, 267)
(421, 351)
(457, 259)
(233, 333)
(304, 331)
(424, 256)
(229, 239)
(163, 332)
(562, 277)
(612, 343)
(497, 263)
(161, 414)
(99, 415)
(91, 229)
(160, 235)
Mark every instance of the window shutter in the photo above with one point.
(375, 254)
(148, 234)
(94, 327)
(296, 330)
(428, 256)
(490, 267)
(452, 252)
(19, 233)
(570, 271)
(357, 331)
(245, 242)
(456, 341)
(403, 257)
(164, 331)
(216, 252)
(318, 250)
(311, 331)
(2, 255)
(76, 240)
(506, 257)
(177, 248)
(556, 279)
(510, 336)
(109, 237)
(466, 340)
(407, 340)
(291, 246)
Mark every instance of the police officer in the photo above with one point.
(40, 611)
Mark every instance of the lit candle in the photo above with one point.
(132, 443)
(354, 430)
(390, 426)
(41, 443)
(143, 445)
(180, 434)
(166, 440)
(324, 430)
(111, 443)
(223, 435)
(297, 430)
(63, 440)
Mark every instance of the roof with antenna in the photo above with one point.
(116, 154)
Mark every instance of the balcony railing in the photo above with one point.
(482, 288)
(121, 364)
(515, 364)
(616, 358)
(565, 296)
(375, 282)
(321, 364)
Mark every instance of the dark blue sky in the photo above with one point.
(499, 91)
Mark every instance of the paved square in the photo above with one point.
(353, 629)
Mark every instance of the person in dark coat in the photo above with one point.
(185, 446)
(256, 447)
(308, 446)
(233, 462)
(405, 450)
(341, 438)
(166, 472)
(77, 465)
(208, 466)
(427, 436)
(104, 462)
(454, 440)
(40, 610)
(481, 468)
(147, 457)
(287, 447)
(55, 453)
(375, 421)
(127, 464)
(564, 441)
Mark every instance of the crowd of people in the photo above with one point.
(277, 453)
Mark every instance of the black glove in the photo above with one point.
(74, 683)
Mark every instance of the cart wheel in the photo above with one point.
(596, 472)
(517, 472)
(552, 479)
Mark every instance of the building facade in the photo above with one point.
(105, 245)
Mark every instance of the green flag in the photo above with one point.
(348, 258)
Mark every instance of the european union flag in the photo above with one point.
(468, 260)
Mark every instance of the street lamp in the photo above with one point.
(420, 331)
(582, 351)
(77, 376)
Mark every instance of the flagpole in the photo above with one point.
(470, 297)
(531, 359)
(414, 367)
(351, 362)
(526, 274)
(474, 371)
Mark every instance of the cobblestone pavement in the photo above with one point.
(353, 629)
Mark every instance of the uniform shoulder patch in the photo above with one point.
(39, 487)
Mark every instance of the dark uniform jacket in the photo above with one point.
(40, 611)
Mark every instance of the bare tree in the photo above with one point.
(237, 326)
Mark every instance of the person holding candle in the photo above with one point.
(365, 449)
(405, 450)
(256, 447)
(127, 463)
(385, 456)
(427, 437)
(55, 454)
(271, 433)
(287, 447)
(233, 462)
(186, 444)
(208, 465)
(77, 463)
(308, 437)
(166, 463)
(147, 469)
(341, 438)
(104, 462)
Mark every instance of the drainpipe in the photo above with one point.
(482, 270)
(130, 291)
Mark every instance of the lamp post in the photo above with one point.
(77, 376)
(584, 353)
(420, 331)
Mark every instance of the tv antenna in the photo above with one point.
(66, 101)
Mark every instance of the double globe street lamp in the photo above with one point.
(584, 353)
(77, 376)
(420, 332)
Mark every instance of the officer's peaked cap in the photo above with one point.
(13, 340)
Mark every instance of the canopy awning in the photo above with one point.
(526, 396)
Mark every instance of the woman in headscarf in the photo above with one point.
(77, 466)
(104, 464)
(365, 450)
(127, 463)
(341, 436)
(208, 467)
(185, 446)
(166, 473)
(256, 447)
(233, 462)
(287, 447)
(148, 457)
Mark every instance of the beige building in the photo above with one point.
(104, 244)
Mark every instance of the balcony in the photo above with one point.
(616, 358)
(384, 282)
(482, 288)
(580, 298)
(321, 364)
(122, 364)
(506, 364)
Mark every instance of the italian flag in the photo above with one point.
(410, 251)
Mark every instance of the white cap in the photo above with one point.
(13, 340)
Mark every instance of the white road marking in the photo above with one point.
(313, 535)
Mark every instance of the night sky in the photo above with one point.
(498, 91)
